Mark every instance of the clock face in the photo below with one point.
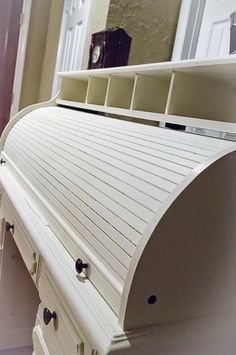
(96, 54)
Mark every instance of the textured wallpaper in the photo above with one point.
(152, 25)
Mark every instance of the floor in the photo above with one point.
(20, 351)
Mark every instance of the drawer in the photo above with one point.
(65, 333)
(40, 347)
(2, 231)
(29, 254)
(48, 341)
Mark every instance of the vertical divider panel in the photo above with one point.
(108, 89)
(161, 123)
(172, 80)
(134, 91)
(88, 89)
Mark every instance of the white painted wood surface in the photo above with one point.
(104, 178)
(150, 210)
(203, 32)
(187, 33)
(214, 35)
(175, 92)
(72, 37)
(91, 314)
(18, 298)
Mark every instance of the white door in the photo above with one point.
(214, 40)
(72, 37)
(204, 31)
(214, 36)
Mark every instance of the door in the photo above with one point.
(10, 18)
(214, 40)
(204, 31)
(214, 35)
(72, 37)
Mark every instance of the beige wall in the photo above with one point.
(97, 22)
(44, 29)
(152, 25)
(50, 52)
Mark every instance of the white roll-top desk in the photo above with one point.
(127, 229)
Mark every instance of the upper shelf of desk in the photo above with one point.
(197, 93)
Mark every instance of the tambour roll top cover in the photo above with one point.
(151, 210)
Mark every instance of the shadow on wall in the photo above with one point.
(151, 24)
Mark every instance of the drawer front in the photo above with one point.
(48, 341)
(2, 233)
(28, 252)
(40, 347)
(63, 329)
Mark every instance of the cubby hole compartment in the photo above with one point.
(120, 90)
(201, 97)
(151, 93)
(97, 89)
(74, 89)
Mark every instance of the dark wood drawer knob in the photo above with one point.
(47, 316)
(9, 227)
(79, 266)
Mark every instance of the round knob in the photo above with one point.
(47, 316)
(9, 227)
(79, 266)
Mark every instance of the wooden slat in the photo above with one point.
(143, 140)
(104, 182)
(84, 190)
(123, 181)
(96, 139)
(130, 142)
(60, 203)
(159, 183)
(125, 127)
(89, 206)
(129, 197)
(105, 178)
(166, 137)
(102, 192)
(119, 156)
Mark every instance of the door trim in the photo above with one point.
(20, 59)
(190, 18)
(56, 80)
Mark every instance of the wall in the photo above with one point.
(97, 22)
(41, 52)
(50, 53)
(34, 52)
(152, 25)
(44, 30)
